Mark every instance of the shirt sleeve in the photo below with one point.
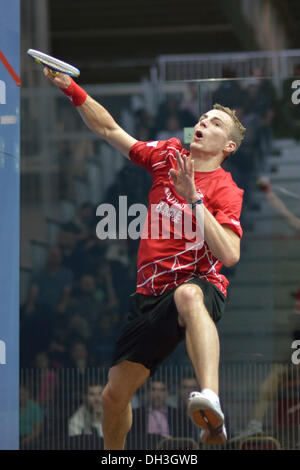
(229, 207)
(75, 425)
(149, 154)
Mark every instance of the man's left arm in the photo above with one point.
(223, 242)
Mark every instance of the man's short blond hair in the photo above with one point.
(238, 130)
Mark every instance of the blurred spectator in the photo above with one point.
(124, 281)
(83, 300)
(79, 357)
(80, 327)
(48, 296)
(260, 100)
(172, 129)
(276, 390)
(85, 221)
(277, 204)
(242, 165)
(190, 101)
(91, 253)
(153, 421)
(145, 125)
(294, 222)
(57, 349)
(112, 314)
(182, 425)
(170, 116)
(85, 255)
(50, 287)
(71, 255)
(105, 290)
(229, 93)
(47, 379)
(31, 420)
(87, 418)
(103, 339)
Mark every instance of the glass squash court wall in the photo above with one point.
(64, 166)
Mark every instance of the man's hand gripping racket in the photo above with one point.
(56, 70)
(60, 73)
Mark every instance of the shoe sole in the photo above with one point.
(204, 415)
(209, 420)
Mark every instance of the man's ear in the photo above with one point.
(230, 146)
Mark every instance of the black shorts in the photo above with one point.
(152, 331)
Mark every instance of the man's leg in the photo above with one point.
(123, 381)
(202, 338)
(203, 347)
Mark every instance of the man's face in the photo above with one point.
(211, 133)
(93, 398)
(187, 387)
(158, 394)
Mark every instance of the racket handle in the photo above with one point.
(76, 94)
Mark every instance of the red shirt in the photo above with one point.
(164, 263)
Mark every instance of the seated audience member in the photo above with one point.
(119, 266)
(79, 357)
(105, 290)
(71, 254)
(103, 338)
(87, 418)
(79, 366)
(152, 421)
(83, 301)
(182, 425)
(85, 221)
(58, 345)
(31, 420)
(47, 379)
(47, 298)
(51, 286)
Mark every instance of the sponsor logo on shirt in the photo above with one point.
(171, 212)
(152, 144)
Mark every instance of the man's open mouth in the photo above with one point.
(199, 135)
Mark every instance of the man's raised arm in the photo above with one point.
(96, 117)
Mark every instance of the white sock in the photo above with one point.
(210, 394)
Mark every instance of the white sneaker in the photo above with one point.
(206, 413)
(254, 428)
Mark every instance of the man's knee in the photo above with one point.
(187, 297)
(124, 380)
(113, 399)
